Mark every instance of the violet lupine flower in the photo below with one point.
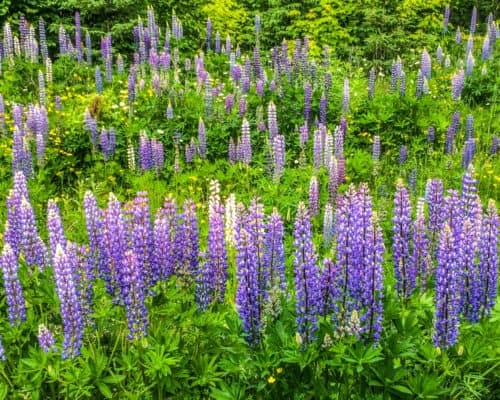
(13, 289)
(211, 281)
(447, 291)
(439, 54)
(403, 155)
(328, 229)
(2, 109)
(307, 101)
(229, 102)
(457, 84)
(141, 238)
(163, 232)
(404, 270)
(278, 156)
(31, 245)
(78, 38)
(246, 144)
(272, 121)
(323, 106)
(486, 49)
(425, 64)
(98, 80)
(232, 151)
(242, 106)
(468, 153)
(108, 142)
(341, 174)
(63, 47)
(217, 42)
(317, 149)
(345, 96)
(306, 276)
(419, 88)
(376, 149)
(458, 36)
(494, 145)
(473, 20)
(372, 284)
(21, 154)
(145, 152)
(446, 18)
(170, 111)
(259, 87)
(247, 298)
(191, 235)
(43, 39)
(395, 73)
(274, 257)
(431, 134)
(131, 82)
(88, 47)
(469, 64)
(91, 126)
(402, 84)
(339, 141)
(202, 139)
(329, 282)
(420, 256)
(55, 227)
(133, 296)
(208, 37)
(371, 83)
(67, 290)
(303, 135)
(313, 196)
(488, 258)
(46, 339)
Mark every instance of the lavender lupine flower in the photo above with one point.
(447, 292)
(88, 47)
(439, 54)
(425, 64)
(473, 20)
(211, 281)
(486, 49)
(420, 256)
(63, 47)
(232, 151)
(131, 82)
(446, 18)
(470, 46)
(329, 282)
(372, 285)
(494, 145)
(450, 134)
(21, 154)
(108, 142)
(404, 270)
(431, 134)
(208, 37)
(307, 101)
(403, 155)
(247, 298)
(395, 73)
(272, 121)
(458, 36)
(145, 152)
(242, 106)
(402, 84)
(419, 88)
(55, 227)
(133, 296)
(246, 144)
(12, 285)
(313, 196)
(469, 64)
(202, 139)
(78, 38)
(376, 149)
(278, 156)
(98, 80)
(43, 39)
(46, 339)
(371, 83)
(42, 95)
(141, 238)
(191, 234)
(468, 153)
(157, 153)
(163, 232)
(488, 258)
(317, 149)
(259, 87)
(2, 109)
(323, 107)
(31, 245)
(328, 229)
(274, 257)
(67, 290)
(91, 126)
(306, 276)
(229, 102)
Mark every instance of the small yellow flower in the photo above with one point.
(271, 379)
(279, 370)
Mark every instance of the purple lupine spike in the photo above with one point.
(133, 296)
(488, 258)
(228, 45)
(242, 106)
(452, 211)
(43, 39)
(116, 245)
(419, 88)
(158, 154)
(439, 54)
(426, 64)
(272, 121)
(13, 289)
(85, 276)
(78, 38)
(274, 257)
(395, 72)
(141, 238)
(402, 84)
(170, 111)
(257, 64)
(446, 18)
(98, 80)
(486, 49)
(31, 245)
(468, 153)
(208, 37)
(67, 291)
(341, 172)
(246, 144)
(211, 281)
(473, 20)
(431, 134)
(232, 151)
(259, 87)
(458, 36)
(328, 228)
(145, 152)
(229, 102)
(376, 149)
(313, 196)
(420, 256)
(372, 285)
(163, 232)
(345, 97)
(371, 83)
(55, 227)
(469, 64)
(450, 133)
(404, 270)
(469, 278)
(329, 287)
(202, 139)
(46, 339)
(307, 101)
(447, 291)
(494, 145)
(278, 156)
(403, 155)
(91, 126)
(303, 135)
(317, 149)
(88, 47)
(247, 298)
(63, 47)
(191, 233)
(306, 276)
(323, 107)
(457, 84)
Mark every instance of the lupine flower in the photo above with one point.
(306, 276)
(272, 121)
(91, 126)
(420, 256)
(486, 49)
(313, 196)
(473, 20)
(328, 229)
(329, 282)
(458, 36)
(323, 107)
(30, 244)
(457, 84)
(278, 156)
(208, 37)
(494, 145)
(404, 270)
(488, 258)
(242, 106)
(133, 288)
(246, 144)
(202, 139)
(43, 39)
(419, 89)
(163, 232)
(439, 54)
(402, 84)
(55, 227)
(12, 285)
(469, 64)
(371, 83)
(468, 152)
(46, 339)
(403, 155)
(274, 257)
(229, 102)
(376, 149)
(447, 295)
(67, 290)
(425, 64)
(98, 80)
(145, 152)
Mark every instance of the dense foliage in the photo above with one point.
(304, 218)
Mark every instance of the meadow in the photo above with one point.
(254, 222)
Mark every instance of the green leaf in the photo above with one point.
(105, 390)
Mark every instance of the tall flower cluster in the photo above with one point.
(12, 285)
